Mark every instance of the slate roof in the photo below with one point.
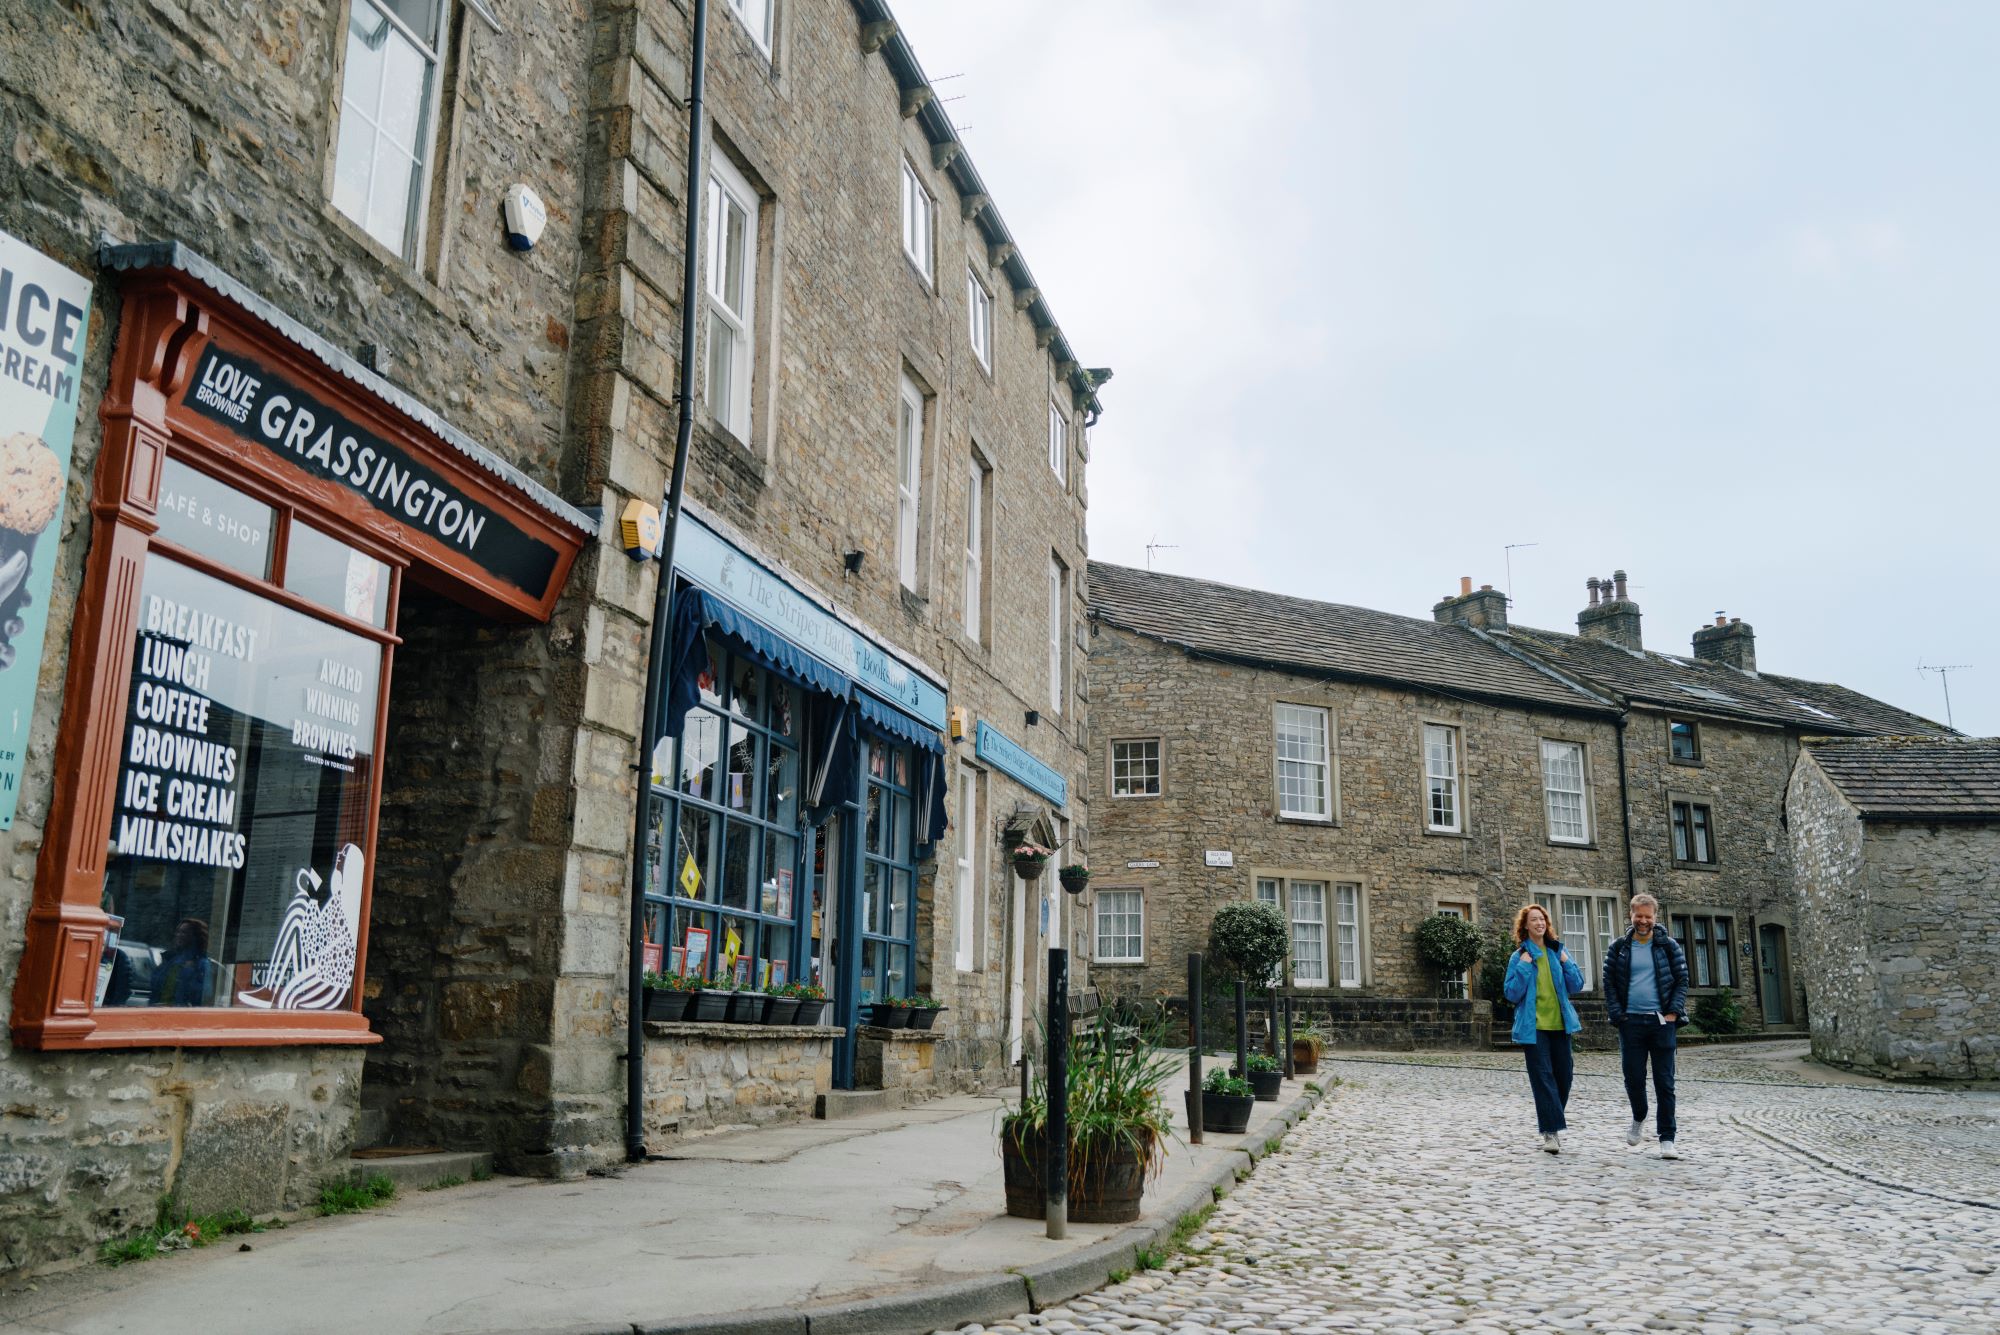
(1716, 690)
(1914, 778)
(1324, 639)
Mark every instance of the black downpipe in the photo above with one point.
(1625, 814)
(657, 648)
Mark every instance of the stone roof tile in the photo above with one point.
(1914, 778)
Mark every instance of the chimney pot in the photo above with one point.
(1486, 588)
(1591, 584)
(1721, 620)
(1464, 585)
(1618, 578)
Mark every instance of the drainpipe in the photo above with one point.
(1625, 812)
(657, 648)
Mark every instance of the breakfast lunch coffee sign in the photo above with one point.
(44, 309)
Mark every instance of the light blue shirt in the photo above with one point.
(1642, 996)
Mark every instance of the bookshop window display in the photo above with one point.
(737, 885)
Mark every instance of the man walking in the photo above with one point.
(1645, 989)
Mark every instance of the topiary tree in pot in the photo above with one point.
(1249, 941)
(1451, 945)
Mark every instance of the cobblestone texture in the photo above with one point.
(1414, 1200)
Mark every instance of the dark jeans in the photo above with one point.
(1550, 1072)
(1637, 1040)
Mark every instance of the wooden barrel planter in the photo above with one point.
(1021, 1164)
(1264, 1085)
(1226, 1114)
(1305, 1057)
(1106, 1190)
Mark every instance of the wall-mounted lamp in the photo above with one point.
(852, 560)
(1034, 717)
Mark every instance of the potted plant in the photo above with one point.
(813, 1005)
(711, 1004)
(1225, 1103)
(1308, 1041)
(1029, 859)
(746, 1006)
(669, 996)
(924, 1011)
(1117, 1128)
(890, 1014)
(780, 1005)
(1249, 941)
(1074, 878)
(1450, 945)
(1267, 1075)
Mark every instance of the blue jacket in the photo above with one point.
(1670, 976)
(1520, 989)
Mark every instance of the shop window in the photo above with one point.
(724, 852)
(1305, 763)
(1566, 792)
(888, 872)
(241, 823)
(1707, 941)
(1121, 927)
(1135, 767)
(1693, 832)
(388, 106)
(1443, 814)
(731, 295)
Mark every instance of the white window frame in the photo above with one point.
(966, 898)
(1324, 764)
(1136, 767)
(1058, 441)
(974, 612)
(730, 191)
(1339, 929)
(421, 154)
(979, 316)
(1462, 911)
(919, 220)
(1346, 929)
(1553, 749)
(1450, 774)
(1598, 910)
(1058, 626)
(747, 13)
(909, 478)
(1131, 908)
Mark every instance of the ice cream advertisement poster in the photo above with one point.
(44, 310)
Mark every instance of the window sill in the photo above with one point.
(1586, 846)
(1684, 764)
(201, 1027)
(1323, 822)
(924, 280)
(1139, 797)
(1678, 865)
(1446, 834)
(404, 270)
(1118, 964)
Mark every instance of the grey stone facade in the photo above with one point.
(497, 937)
(1900, 940)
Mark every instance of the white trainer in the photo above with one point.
(1552, 1143)
(1635, 1133)
(1668, 1150)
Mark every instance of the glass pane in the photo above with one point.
(872, 830)
(220, 522)
(1267, 891)
(783, 720)
(335, 575)
(721, 366)
(774, 957)
(735, 226)
(735, 948)
(901, 767)
(899, 845)
(367, 43)
(901, 907)
(353, 163)
(694, 861)
(878, 759)
(420, 16)
(405, 82)
(737, 873)
(695, 948)
(1702, 850)
(1724, 969)
(389, 198)
(700, 756)
(743, 748)
(746, 689)
(781, 785)
(1680, 816)
(871, 973)
(236, 872)
(871, 897)
(781, 855)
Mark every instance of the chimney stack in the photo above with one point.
(1484, 608)
(1728, 642)
(1611, 615)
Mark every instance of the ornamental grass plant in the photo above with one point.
(1115, 1107)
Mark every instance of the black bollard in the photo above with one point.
(1290, 1070)
(1055, 1143)
(1272, 1029)
(1194, 1048)
(1242, 1030)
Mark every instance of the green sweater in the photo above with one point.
(1548, 1008)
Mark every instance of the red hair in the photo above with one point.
(1521, 924)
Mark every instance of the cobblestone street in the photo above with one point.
(1416, 1199)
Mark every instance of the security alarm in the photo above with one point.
(525, 214)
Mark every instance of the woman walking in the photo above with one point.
(1541, 978)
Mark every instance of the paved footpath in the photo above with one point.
(1416, 1199)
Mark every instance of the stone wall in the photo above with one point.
(1389, 1024)
(1215, 722)
(1900, 946)
(700, 1077)
(904, 1059)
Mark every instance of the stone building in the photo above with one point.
(1360, 769)
(1302, 744)
(267, 900)
(1896, 841)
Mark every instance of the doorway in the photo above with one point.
(1774, 968)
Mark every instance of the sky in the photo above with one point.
(1707, 292)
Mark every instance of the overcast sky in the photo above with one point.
(1706, 291)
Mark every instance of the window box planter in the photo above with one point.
(814, 1012)
(710, 1006)
(924, 1017)
(779, 1010)
(886, 1015)
(662, 1004)
(746, 1007)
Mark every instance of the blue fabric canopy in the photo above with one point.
(893, 721)
(779, 651)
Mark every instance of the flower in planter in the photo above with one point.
(1220, 1081)
(1074, 877)
(1263, 1064)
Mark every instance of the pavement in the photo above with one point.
(889, 1222)
(1416, 1199)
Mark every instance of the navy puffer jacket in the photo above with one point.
(1670, 976)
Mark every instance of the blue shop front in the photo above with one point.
(798, 786)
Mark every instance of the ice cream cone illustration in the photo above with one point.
(31, 484)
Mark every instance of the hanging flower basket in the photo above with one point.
(1029, 859)
(1074, 878)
